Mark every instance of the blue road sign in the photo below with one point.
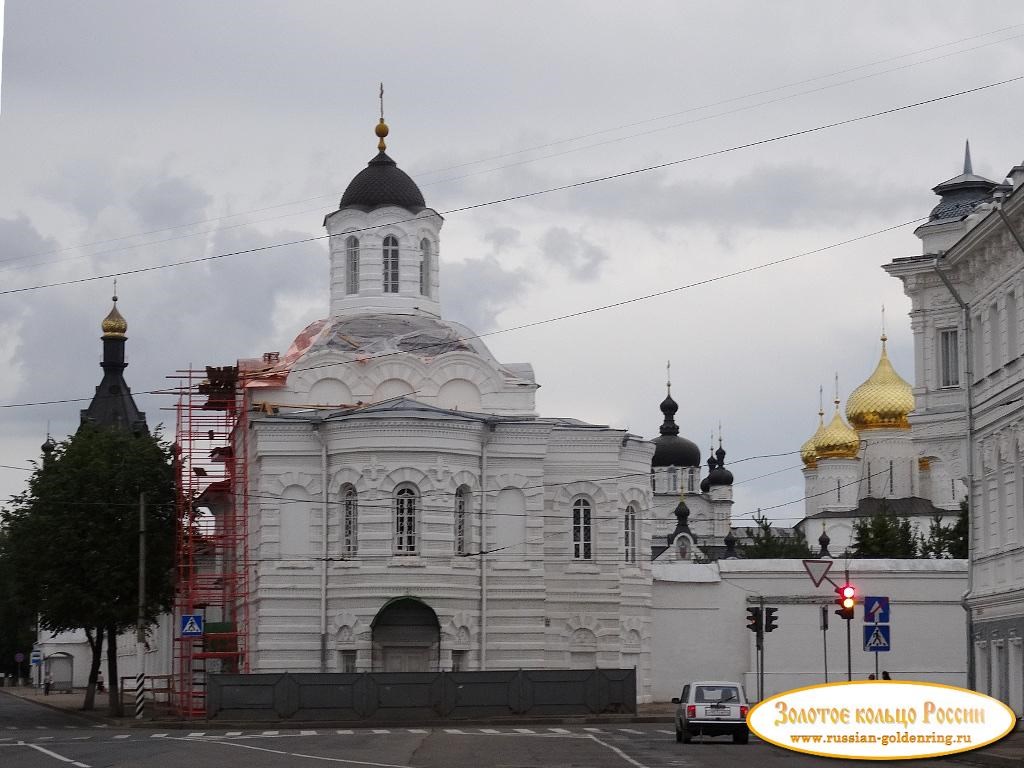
(877, 638)
(192, 625)
(876, 610)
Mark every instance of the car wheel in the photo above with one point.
(679, 735)
(686, 737)
(741, 737)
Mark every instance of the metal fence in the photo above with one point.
(410, 696)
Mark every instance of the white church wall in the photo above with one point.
(699, 615)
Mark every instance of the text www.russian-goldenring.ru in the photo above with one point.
(884, 740)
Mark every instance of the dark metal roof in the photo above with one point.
(382, 182)
(113, 405)
(670, 449)
(912, 506)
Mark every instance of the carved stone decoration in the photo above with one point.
(373, 469)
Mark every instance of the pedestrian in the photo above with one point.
(885, 675)
(99, 683)
(47, 682)
(871, 676)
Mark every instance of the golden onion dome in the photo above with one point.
(883, 401)
(809, 450)
(837, 440)
(114, 325)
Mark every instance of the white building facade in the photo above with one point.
(967, 293)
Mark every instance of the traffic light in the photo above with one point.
(847, 601)
(770, 619)
(754, 620)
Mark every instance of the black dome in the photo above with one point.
(672, 450)
(719, 475)
(382, 182)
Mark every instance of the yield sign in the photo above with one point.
(817, 570)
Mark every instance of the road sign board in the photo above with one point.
(876, 610)
(877, 638)
(192, 625)
(817, 570)
(36, 657)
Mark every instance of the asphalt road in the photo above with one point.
(35, 737)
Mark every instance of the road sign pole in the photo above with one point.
(760, 651)
(824, 637)
(849, 649)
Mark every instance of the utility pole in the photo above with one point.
(824, 637)
(760, 652)
(140, 637)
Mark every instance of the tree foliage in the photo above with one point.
(766, 543)
(946, 541)
(72, 537)
(884, 535)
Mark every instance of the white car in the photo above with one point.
(712, 708)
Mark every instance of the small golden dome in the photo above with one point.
(381, 130)
(883, 401)
(114, 325)
(809, 450)
(837, 440)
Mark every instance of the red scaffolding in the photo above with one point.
(212, 535)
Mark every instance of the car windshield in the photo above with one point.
(716, 694)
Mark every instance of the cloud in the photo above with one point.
(168, 202)
(503, 237)
(475, 291)
(579, 257)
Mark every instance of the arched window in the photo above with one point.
(405, 520)
(390, 264)
(581, 530)
(350, 511)
(352, 265)
(424, 267)
(461, 519)
(629, 534)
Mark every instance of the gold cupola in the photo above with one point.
(837, 440)
(114, 325)
(809, 451)
(883, 401)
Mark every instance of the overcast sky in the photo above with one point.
(139, 133)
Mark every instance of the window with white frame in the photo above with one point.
(629, 534)
(352, 265)
(350, 513)
(424, 267)
(390, 264)
(949, 358)
(582, 531)
(461, 516)
(406, 502)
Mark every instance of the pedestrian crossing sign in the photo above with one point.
(877, 638)
(191, 625)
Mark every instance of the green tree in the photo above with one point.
(884, 535)
(769, 544)
(73, 539)
(946, 541)
(17, 620)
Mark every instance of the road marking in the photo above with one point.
(197, 734)
(662, 730)
(630, 730)
(303, 733)
(240, 745)
(522, 730)
(618, 751)
(489, 730)
(81, 738)
(344, 733)
(239, 733)
(122, 736)
(593, 730)
(379, 730)
(45, 738)
(271, 733)
(558, 730)
(418, 730)
(40, 727)
(158, 736)
(454, 730)
(54, 755)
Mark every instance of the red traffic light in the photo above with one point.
(847, 600)
(848, 591)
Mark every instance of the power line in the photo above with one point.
(535, 193)
(525, 150)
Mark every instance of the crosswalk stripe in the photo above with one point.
(452, 730)
(663, 730)
(489, 730)
(233, 733)
(45, 738)
(196, 734)
(307, 733)
(158, 736)
(418, 730)
(558, 730)
(381, 730)
(81, 738)
(40, 727)
(121, 736)
(630, 730)
(344, 733)
(271, 733)
(522, 730)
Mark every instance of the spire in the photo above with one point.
(821, 404)
(968, 169)
(114, 326)
(668, 406)
(382, 128)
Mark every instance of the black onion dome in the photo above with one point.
(670, 449)
(719, 475)
(382, 182)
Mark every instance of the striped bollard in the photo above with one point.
(140, 695)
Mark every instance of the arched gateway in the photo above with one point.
(406, 637)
